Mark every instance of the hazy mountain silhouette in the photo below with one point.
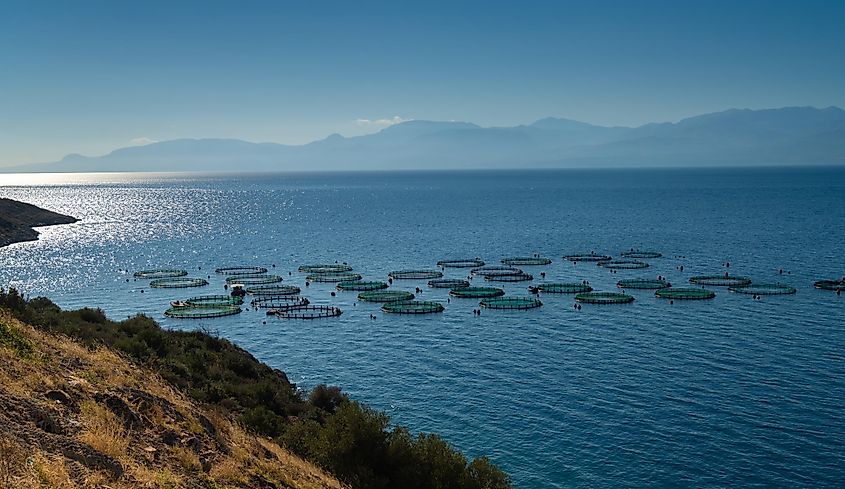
(791, 135)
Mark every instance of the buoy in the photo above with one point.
(333, 294)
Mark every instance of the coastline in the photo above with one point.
(17, 220)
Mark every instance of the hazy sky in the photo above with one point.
(91, 76)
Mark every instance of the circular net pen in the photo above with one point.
(830, 284)
(279, 302)
(233, 271)
(201, 312)
(643, 283)
(684, 293)
(477, 292)
(161, 273)
(412, 307)
(361, 286)
(333, 268)
(604, 298)
(640, 254)
(471, 263)
(178, 283)
(764, 289)
(448, 283)
(510, 277)
(247, 280)
(273, 290)
(334, 277)
(307, 312)
(561, 288)
(414, 274)
(385, 296)
(513, 303)
(494, 270)
(214, 301)
(623, 264)
(720, 280)
(587, 257)
(525, 261)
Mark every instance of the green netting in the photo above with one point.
(412, 307)
(333, 277)
(214, 301)
(178, 283)
(764, 289)
(359, 285)
(721, 280)
(687, 293)
(385, 296)
(161, 273)
(494, 270)
(470, 263)
(641, 254)
(830, 284)
(307, 312)
(247, 280)
(525, 261)
(604, 298)
(643, 283)
(561, 288)
(448, 283)
(511, 303)
(623, 264)
(509, 277)
(233, 271)
(201, 312)
(476, 292)
(591, 256)
(414, 274)
(273, 290)
(334, 268)
(281, 301)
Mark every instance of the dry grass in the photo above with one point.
(102, 430)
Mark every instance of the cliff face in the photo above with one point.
(72, 416)
(18, 218)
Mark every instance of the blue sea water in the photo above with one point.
(728, 392)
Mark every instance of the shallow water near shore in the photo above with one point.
(731, 391)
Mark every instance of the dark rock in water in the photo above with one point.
(18, 218)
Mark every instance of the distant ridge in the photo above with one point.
(784, 136)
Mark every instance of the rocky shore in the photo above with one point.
(17, 220)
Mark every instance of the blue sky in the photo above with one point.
(91, 76)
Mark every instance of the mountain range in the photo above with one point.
(783, 136)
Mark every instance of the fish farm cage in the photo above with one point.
(306, 312)
(830, 284)
(513, 303)
(178, 283)
(494, 270)
(720, 280)
(190, 312)
(561, 288)
(214, 301)
(643, 283)
(279, 302)
(234, 271)
(640, 254)
(764, 289)
(361, 286)
(273, 290)
(414, 274)
(470, 263)
(247, 280)
(623, 264)
(161, 273)
(510, 277)
(591, 256)
(333, 268)
(412, 307)
(385, 296)
(684, 293)
(448, 283)
(476, 292)
(525, 261)
(334, 277)
(604, 298)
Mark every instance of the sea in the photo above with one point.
(736, 391)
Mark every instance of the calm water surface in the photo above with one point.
(727, 392)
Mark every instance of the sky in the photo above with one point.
(92, 76)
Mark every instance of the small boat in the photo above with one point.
(178, 304)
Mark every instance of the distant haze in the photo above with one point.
(792, 136)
